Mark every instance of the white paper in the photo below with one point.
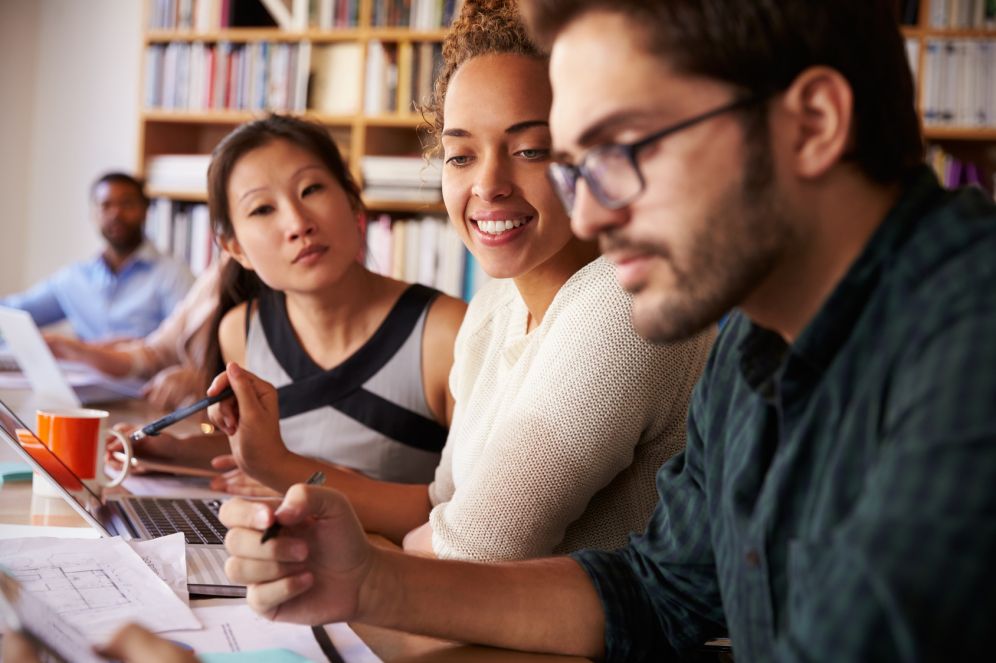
(98, 586)
(230, 625)
(167, 557)
(48, 626)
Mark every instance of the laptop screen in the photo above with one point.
(26, 444)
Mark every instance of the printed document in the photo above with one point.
(98, 586)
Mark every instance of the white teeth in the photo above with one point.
(500, 226)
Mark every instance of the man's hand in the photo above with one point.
(312, 573)
(66, 347)
(251, 420)
(174, 387)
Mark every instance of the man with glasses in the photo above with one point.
(123, 292)
(837, 497)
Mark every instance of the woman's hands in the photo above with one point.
(163, 446)
(233, 480)
(252, 422)
(419, 541)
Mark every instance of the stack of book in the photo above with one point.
(178, 173)
(407, 178)
(182, 230)
(336, 85)
(954, 172)
(959, 87)
(423, 250)
(386, 91)
(334, 14)
(208, 15)
(252, 76)
(414, 14)
(973, 14)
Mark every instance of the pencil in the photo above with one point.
(316, 479)
(159, 424)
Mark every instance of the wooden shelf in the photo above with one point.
(183, 196)
(235, 117)
(953, 33)
(404, 34)
(960, 133)
(414, 206)
(276, 35)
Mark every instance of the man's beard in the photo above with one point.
(127, 243)
(733, 251)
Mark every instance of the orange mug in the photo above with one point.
(78, 437)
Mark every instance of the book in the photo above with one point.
(336, 81)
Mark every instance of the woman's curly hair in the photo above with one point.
(484, 27)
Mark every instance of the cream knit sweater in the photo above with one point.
(557, 435)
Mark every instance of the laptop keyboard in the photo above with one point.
(196, 518)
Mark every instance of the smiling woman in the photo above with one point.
(563, 414)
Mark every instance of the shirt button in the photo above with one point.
(753, 559)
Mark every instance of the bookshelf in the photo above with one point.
(952, 49)
(359, 67)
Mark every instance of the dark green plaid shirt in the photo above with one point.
(837, 498)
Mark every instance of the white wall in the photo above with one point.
(19, 25)
(76, 67)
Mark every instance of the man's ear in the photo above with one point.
(234, 249)
(819, 107)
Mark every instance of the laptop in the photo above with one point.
(77, 385)
(136, 516)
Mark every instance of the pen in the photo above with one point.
(159, 424)
(316, 479)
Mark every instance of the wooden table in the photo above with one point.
(19, 506)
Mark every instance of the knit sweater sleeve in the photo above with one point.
(563, 429)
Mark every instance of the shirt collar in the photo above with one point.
(145, 254)
(763, 352)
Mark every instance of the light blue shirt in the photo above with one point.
(100, 304)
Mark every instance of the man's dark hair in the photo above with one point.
(761, 46)
(120, 178)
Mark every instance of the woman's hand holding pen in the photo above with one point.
(163, 446)
(251, 420)
(313, 572)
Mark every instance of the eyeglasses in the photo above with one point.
(611, 171)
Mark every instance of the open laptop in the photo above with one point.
(52, 386)
(137, 517)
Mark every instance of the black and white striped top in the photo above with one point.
(368, 413)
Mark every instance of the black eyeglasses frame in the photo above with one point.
(631, 151)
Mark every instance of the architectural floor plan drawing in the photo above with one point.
(97, 585)
(76, 584)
